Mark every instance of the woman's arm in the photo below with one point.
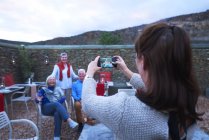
(121, 65)
(107, 110)
(55, 71)
(135, 79)
(39, 95)
(137, 82)
(62, 97)
(74, 76)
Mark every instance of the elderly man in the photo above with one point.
(76, 94)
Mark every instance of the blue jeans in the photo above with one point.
(59, 112)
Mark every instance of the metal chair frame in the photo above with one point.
(24, 98)
(5, 121)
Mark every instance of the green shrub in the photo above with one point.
(109, 39)
(26, 64)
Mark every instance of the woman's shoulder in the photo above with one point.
(133, 103)
(130, 101)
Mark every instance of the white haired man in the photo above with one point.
(76, 94)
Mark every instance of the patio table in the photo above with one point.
(7, 91)
(33, 88)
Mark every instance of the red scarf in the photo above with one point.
(62, 67)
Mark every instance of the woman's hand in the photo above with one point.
(121, 65)
(39, 98)
(92, 67)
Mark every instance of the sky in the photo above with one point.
(37, 20)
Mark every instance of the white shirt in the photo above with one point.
(66, 82)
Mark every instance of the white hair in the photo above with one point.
(50, 76)
(63, 54)
(81, 70)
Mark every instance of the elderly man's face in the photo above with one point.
(81, 75)
(51, 81)
(64, 58)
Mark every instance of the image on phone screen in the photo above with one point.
(106, 62)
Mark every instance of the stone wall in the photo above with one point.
(6, 65)
(80, 56)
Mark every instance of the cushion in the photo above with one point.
(8, 79)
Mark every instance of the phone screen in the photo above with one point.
(105, 62)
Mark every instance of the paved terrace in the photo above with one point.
(22, 131)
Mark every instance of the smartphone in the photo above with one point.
(107, 62)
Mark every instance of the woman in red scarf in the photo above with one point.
(63, 72)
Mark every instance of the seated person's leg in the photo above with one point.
(50, 108)
(64, 115)
(78, 111)
(57, 124)
(62, 111)
(80, 116)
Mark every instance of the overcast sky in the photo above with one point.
(36, 20)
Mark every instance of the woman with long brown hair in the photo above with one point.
(165, 102)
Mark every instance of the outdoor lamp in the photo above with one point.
(46, 61)
(13, 60)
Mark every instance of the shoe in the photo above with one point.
(80, 127)
(73, 124)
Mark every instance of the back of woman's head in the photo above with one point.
(168, 60)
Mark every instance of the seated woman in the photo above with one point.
(52, 98)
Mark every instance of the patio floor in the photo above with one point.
(23, 131)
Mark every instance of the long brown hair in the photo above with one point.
(172, 86)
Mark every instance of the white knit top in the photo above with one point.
(126, 116)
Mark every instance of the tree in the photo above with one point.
(25, 64)
(108, 38)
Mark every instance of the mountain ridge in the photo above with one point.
(196, 24)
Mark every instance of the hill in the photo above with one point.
(126, 35)
(13, 42)
(196, 24)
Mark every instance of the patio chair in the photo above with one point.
(1, 102)
(4, 121)
(23, 98)
(41, 116)
(8, 79)
(107, 75)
